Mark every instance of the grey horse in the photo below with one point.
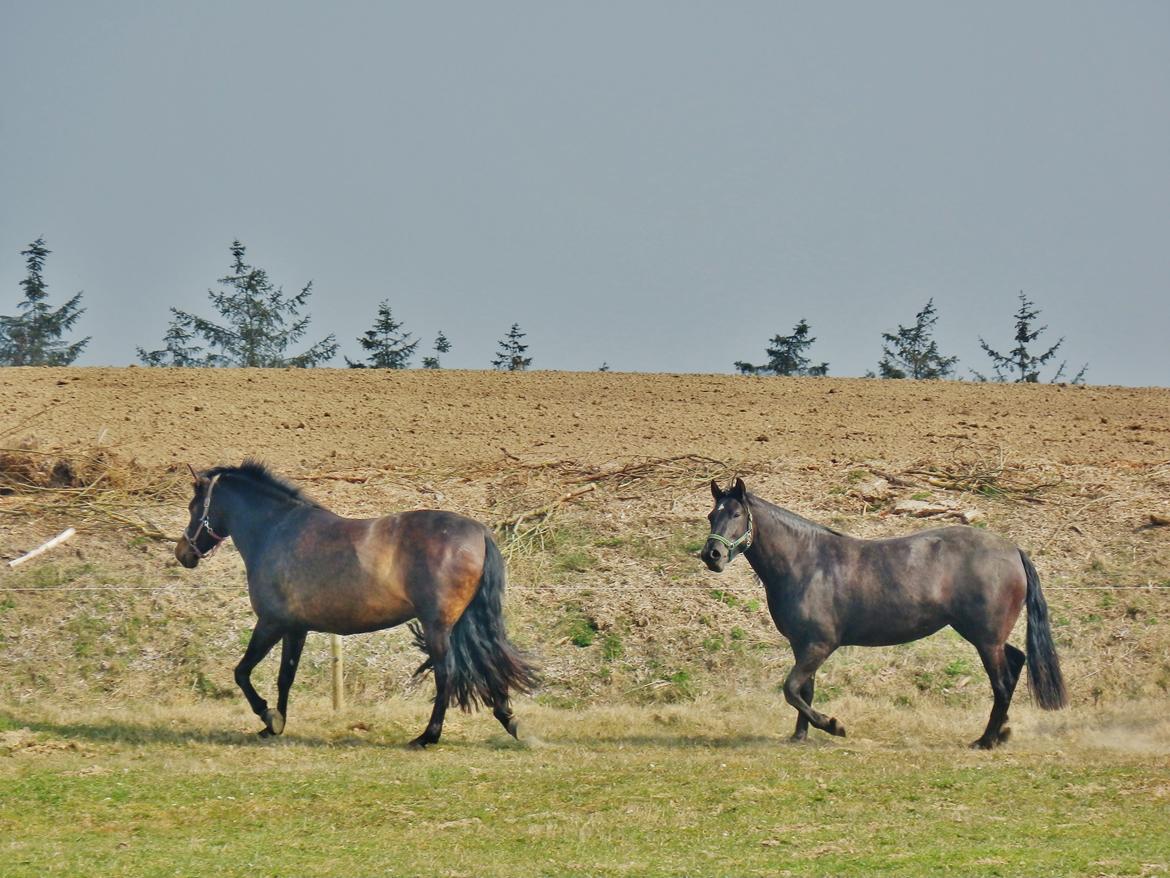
(826, 589)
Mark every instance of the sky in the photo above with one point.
(660, 186)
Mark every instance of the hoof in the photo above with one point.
(990, 742)
(798, 738)
(274, 719)
(422, 742)
(508, 721)
(513, 729)
(835, 728)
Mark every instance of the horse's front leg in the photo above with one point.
(807, 691)
(290, 658)
(264, 637)
(809, 657)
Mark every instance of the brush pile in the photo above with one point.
(984, 470)
(93, 486)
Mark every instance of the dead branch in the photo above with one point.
(513, 523)
(894, 479)
(147, 529)
(352, 478)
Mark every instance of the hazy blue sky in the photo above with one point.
(662, 186)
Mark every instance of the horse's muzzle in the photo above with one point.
(714, 555)
(185, 553)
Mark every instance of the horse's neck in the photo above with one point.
(250, 516)
(784, 547)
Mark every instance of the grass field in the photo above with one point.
(702, 789)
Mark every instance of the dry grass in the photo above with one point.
(606, 591)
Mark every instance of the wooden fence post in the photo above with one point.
(338, 671)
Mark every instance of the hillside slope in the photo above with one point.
(606, 589)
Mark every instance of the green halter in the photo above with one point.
(742, 544)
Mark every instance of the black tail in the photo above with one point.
(483, 666)
(1044, 677)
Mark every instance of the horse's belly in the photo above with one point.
(368, 624)
(891, 629)
(355, 612)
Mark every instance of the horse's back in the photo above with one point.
(349, 575)
(908, 587)
(432, 537)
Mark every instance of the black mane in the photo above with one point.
(792, 519)
(260, 476)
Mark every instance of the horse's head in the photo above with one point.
(731, 526)
(205, 528)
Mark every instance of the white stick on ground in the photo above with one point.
(55, 541)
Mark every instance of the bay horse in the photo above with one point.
(311, 570)
(826, 589)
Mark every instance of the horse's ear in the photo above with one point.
(715, 492)
(739, 489)
(194, 475)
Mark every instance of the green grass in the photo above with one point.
(580, 627)
(699, 789)
(47, 575)
(612, 647)
(573, 561)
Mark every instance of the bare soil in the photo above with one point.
(309, 419)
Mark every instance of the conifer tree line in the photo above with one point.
(259, 325)
(912, 352)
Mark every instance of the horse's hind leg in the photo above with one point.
(438, 643)
(1002, 665)
(290, 657)
(264, 637)
(1015, 662)
(809, 657)
(503, 712)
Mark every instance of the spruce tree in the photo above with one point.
(179, 347)
(1020, 365)
(33, 337)
(442, 346)
(912, 352)
(386, 346)
(786, 356)
(260, 324)
(510, 357)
